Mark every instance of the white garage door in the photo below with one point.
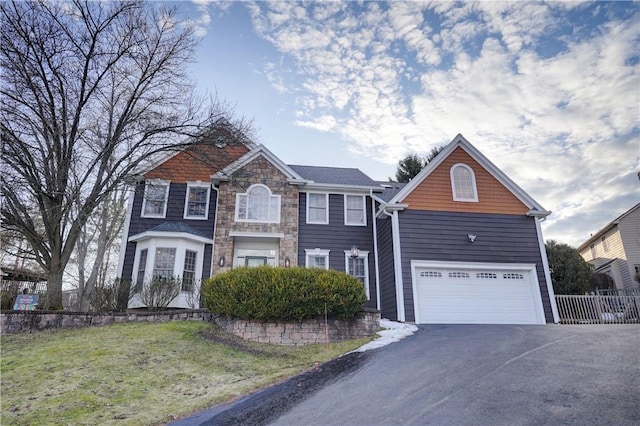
(455, 293)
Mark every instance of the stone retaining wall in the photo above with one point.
(305, 332)
(14, 322)
(281, 333)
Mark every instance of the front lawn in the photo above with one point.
(139, 373)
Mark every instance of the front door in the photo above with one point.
(251, 261)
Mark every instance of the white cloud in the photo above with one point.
(564, 127)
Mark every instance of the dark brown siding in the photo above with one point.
(442, 236)
(337, 237)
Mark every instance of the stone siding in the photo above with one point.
(15, 322)
(310, 331)
(257, 171)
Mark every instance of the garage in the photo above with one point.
(476, 293)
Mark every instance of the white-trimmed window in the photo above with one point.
(169, 258)
(605, 244)
(355, 210)
(154, 202)
(358, 267)
(463, 183)
(317, 208)
(258, 204)
(594, 252)
(196, 203)
(316, 258)
(189, 270)
(164, 263)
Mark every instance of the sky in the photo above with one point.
(548, 91)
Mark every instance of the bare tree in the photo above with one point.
(158, 292)
(90, 92)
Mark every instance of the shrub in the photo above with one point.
(267, 294)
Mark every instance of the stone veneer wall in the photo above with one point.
(257, 171)
(14, 322)
(305, 332)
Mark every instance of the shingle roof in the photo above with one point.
(390, 189)
(177, 227)
(334, 175)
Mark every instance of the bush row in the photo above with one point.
(267, 294)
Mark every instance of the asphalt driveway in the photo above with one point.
(465, 375)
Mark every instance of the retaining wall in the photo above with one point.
(281, 333)
(305, 332)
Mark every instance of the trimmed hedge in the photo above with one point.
(278, 294)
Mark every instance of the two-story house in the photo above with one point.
(615, 249)
(460, 243)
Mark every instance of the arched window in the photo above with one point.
(258, 205)
(463, 183)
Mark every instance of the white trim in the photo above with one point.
(155, 182)
(460, 141)
(520, 267)
(341, 188)
(181, 246)
(375, 250)
(215, 225)
(316, 252)
(197, 184)
(259, 150)
(271, 197)
(364, 210)
(547, 273)
(125, 232)
(454, 189)
(256, 234)
(363, 254)
(326, 213)
(397, 264)
(147, 235)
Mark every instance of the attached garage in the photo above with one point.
(476, 293)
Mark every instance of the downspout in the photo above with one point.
(547, 271)
(397, 261)
(375, 247)
(215, 223)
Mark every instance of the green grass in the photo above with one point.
(139, 373)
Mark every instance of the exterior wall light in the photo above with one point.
(287, 262)
(221, 261)
(355, 252)
(471, 237)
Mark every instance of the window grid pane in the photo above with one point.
(355, 209)
(463, 183)
(155, 196)
(258, 205)
(356, 269)
(189, 271)
(197, 204)
(142, 266)
(164, 262)
(317, 208)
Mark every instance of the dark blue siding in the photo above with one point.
(337, 237)
(443, 236)
(388, 305)
(175, 214)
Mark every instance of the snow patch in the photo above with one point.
(393, 332)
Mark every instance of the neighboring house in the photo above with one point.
(615, 249)
(460, 243)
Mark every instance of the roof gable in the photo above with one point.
(220, 145)
(259, 151)
(608, 227)
(494, 185)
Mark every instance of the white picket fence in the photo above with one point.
(598, 309)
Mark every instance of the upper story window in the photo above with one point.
(197, 201)
(355, 210)
(317, 258)
(258, 205)
(605, 244)
(463, 183)
(317, 208)
(594, 253)
(154, 203)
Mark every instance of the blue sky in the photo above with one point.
(549, 92)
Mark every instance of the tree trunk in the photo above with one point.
(53, 299)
